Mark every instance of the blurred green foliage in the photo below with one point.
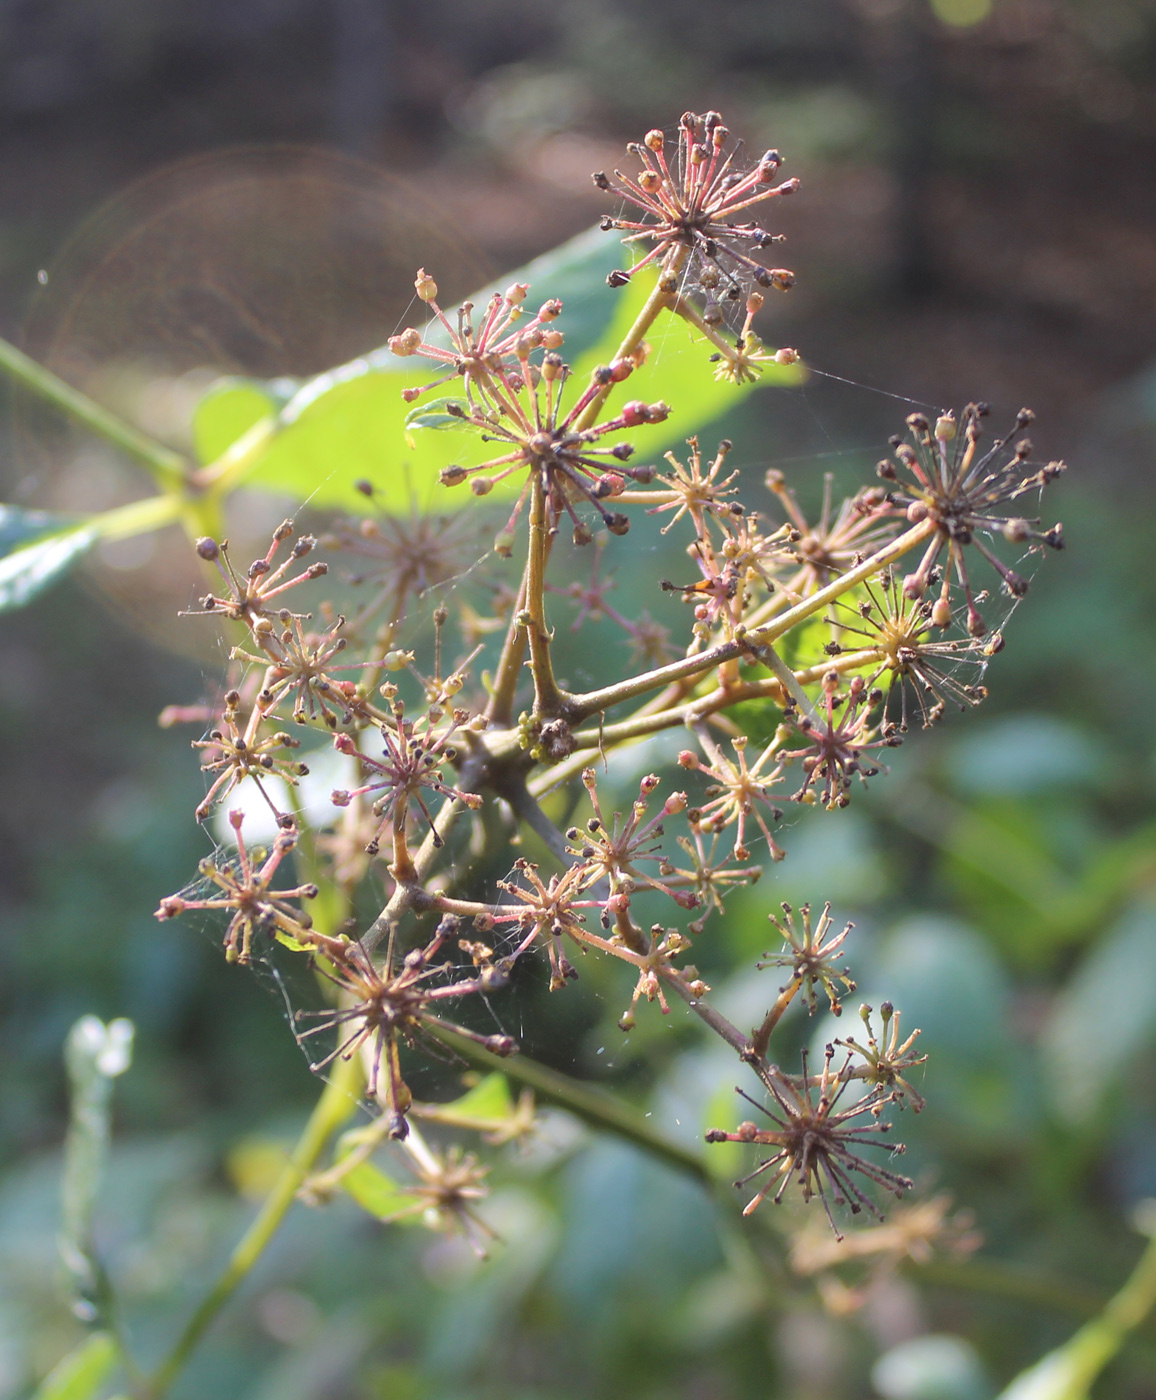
(1001, 880)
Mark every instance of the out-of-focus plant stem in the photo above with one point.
(337, 1103)
(168, 468)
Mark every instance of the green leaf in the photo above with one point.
(377, 1193)
(36, 548)
(489, 1098)
(351, 423)
(228, 410)
(1103, 1019)
(82, 1372)
(19, 527)
(488, 1101)
(436, 414)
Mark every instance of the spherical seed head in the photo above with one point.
(653, 140)
(207, 548)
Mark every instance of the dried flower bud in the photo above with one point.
(407, 343)
(424, 285)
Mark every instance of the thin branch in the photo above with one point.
(168, 468)
(548, 699)
(583, 706)
(337, 1104)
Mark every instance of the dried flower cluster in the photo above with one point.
(447, 763)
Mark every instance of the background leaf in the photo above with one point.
(1103, 1018)
(27, 569)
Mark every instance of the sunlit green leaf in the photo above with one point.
(488, 1099)
(351, 423)
(82, 1372)
(436, 414)
(228, 410)
(377, 1193)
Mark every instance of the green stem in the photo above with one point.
(586, 1101)
(168, 468)
(1002, 1280)
(662, 298)
(335, 1106)
(138, 517)
(402, 897)
(500, 710)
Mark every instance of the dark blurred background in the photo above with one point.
(248, 187)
